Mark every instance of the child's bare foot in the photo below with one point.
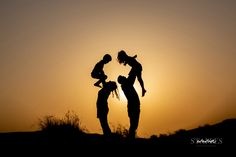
(97, 85)
(143, 92)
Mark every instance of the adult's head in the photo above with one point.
(122, 57)
(107, 58)
(121, 79)
(111, 85)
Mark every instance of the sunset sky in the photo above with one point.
(48, 49)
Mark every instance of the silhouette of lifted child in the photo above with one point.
(98, 72)
(102, 105)
(136, 68)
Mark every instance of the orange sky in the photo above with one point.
(187, 49)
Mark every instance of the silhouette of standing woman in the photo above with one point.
(102, 105)
(133, 104)
(136, 68)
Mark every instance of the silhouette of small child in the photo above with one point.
(136, 68)
(98, 72)
(102, 105)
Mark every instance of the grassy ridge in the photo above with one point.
(68, 132)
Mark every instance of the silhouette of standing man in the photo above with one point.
(102, 105)
(133, 103)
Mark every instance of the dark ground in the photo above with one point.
(214, 137)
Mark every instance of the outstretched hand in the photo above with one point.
(143, 92)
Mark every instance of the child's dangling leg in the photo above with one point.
(103, 80)
(97, 84)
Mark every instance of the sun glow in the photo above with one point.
(122, 96)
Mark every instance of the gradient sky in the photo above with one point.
(187, 49)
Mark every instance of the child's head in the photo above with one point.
(122, 56)
(107, 58)
(121, 79)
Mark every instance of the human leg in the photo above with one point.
(98, 84)
(104, 124)
(134, 120)
(102, 79)
(139, 76)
